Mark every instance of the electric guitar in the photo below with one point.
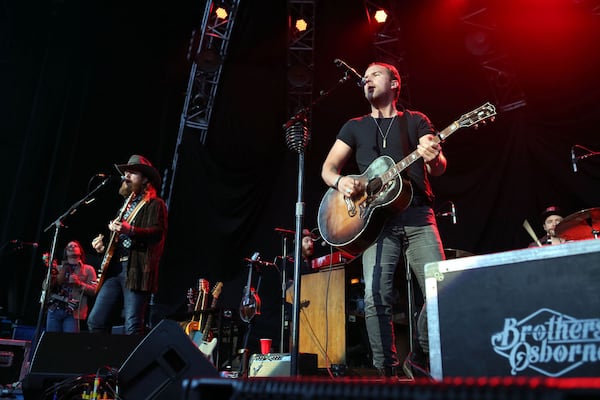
(112, 244)
(353, 223)
(209, 342)
(193, 327)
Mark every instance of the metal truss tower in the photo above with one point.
(300, 56)
(207, 51)
(496, 64)
(387, 42)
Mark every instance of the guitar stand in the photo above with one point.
(244, 352)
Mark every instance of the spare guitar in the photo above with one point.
(353, 223)
(112, 244)
(209, 341)
(193, 327)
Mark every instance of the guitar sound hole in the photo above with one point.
(374, 186)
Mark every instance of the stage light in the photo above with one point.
(380, 16)
(298, 75)
(301, 25)
(208, 60)
(478, 42)
(221, 13)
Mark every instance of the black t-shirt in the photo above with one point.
(366, 139)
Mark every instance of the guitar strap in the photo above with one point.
(406, 147)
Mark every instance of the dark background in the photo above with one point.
(84, 85)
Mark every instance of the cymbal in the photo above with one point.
(580, 225)
(455, 253)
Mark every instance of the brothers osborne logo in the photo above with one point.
(548, 342)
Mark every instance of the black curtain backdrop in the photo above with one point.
(85, 85)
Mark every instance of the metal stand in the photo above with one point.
(284, 257)
(297, 137)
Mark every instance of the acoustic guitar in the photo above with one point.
(352, 223)
(112, 244)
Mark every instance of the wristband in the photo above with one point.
(335, 185)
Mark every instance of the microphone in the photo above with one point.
(573, 159)
(110, 178)
(285, 232)
(20, 243)
(297, 136)
(341, 64)
(453, 213)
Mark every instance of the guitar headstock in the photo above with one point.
(480, 115)
(216, 292)
(203, 286)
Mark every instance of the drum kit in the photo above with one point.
(582, 225)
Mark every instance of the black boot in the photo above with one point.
(387, 372)
(416, 364)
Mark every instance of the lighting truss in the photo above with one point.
(300, 56)
(496, 64)
(208, 48)
(387, 42)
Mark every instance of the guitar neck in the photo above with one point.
(407, 161)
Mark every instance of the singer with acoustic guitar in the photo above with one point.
(129, 271)
(409, 232)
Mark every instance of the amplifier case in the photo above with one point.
(14, 360)
(279, 365)
(529, 312)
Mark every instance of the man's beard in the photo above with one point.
(128, 187)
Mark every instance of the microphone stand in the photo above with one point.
(297, 137)
(284, 259)
(57, 224)
(590, 153)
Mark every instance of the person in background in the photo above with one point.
(409, 237)
(132, 275)
(550, 218)
(72, 282)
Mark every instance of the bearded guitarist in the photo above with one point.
(407, 229)
(134, 249)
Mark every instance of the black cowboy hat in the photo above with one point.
(552, 210)
(141, 164)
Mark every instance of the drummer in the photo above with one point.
(550, 218)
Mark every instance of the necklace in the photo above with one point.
(384, 136)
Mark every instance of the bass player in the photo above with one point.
(408, 236)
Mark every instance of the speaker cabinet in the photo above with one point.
(529, 312)
(59, 356)
(158, 365)
(322, 320)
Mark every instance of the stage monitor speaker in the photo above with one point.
(159, 364)
(59, 356)
(528, 312)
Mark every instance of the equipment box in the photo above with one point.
(529, 312)
(14, 357)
